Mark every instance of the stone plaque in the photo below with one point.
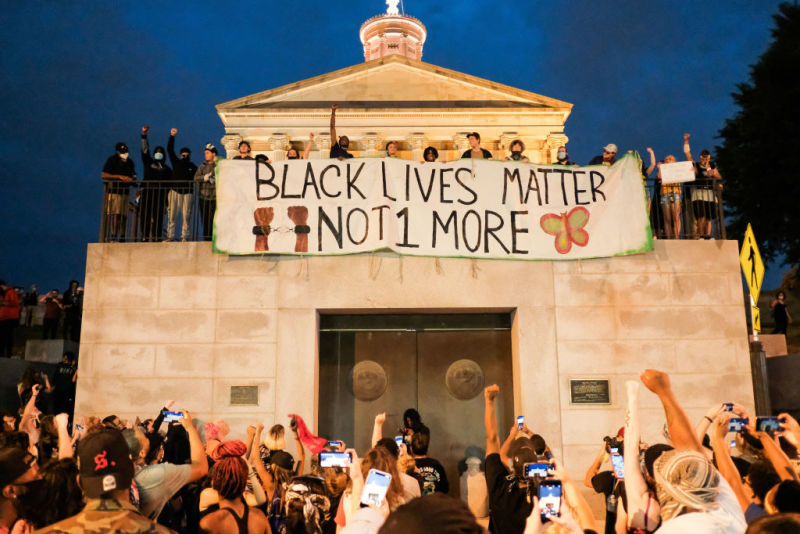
(244, 395)
(589, 391)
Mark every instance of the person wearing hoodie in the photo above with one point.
(206, 178)
(179, 198)
(154, 195)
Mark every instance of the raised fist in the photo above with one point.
(334, 107)
(173, 132)
(655, 381)
(145, 129)
(491, 392)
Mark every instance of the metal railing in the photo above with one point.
(184, 211)
(692, 210)
(156, 211)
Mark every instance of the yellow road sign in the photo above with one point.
(752, 266)
(756, 315)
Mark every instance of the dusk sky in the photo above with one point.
(80, 76)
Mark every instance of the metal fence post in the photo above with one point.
(758, 370)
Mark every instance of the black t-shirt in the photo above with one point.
(338, 152)
(63, 377)
(432, 477)
(116, 165)
(468, 154)
(509, 507)
(702, 180)
(606, 483)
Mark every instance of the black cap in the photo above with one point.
(105, 463)
(14, 462)
(438, 513)
(282, 459)
(122, 147)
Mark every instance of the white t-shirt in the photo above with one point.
(727, 518)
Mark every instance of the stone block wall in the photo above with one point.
(174, 321)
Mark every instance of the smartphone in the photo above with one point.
(737, 424)
(79, 428)
(520, 421)
(549, 499)
(535, 469)
(733, 443)
(335, 444)
(170, 417)
(398, 440)
(770, 425)
(613, 450)
(375, 488)
(728, 407)
(335, 459)
(619, 466)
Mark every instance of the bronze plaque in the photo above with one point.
(589, 391)
(244, 395)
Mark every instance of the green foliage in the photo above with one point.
(758, 158)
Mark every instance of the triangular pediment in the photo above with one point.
(394, 82)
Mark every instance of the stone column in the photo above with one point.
(462, 144)
(418, 142)
(372, 143)
(323, 142)
(230, 143)
(551, 144)
(279, 144)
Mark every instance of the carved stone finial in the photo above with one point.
(392, 7)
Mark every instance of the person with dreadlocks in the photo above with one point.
(229, 478)
(692, 494)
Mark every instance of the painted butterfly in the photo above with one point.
(567, 227)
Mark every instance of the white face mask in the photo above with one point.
(562, 156)
(124, 156)
(158, 156)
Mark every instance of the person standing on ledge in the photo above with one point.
(339, 148)
(244, 151)
(475, 151)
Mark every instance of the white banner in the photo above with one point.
(466, 208)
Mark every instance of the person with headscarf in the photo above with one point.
(692, 494)
(305, 506)
(154, 194)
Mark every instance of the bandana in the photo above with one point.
(685, 481)
(315, 505)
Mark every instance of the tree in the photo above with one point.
(758, 158)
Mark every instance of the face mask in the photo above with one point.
(123, 156)
(158, 156)
(516, 155)
(30, 503)
(184, 156)
(562, 156)
(293, 157)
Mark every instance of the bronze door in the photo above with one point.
(436, 364)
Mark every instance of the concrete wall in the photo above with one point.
(174, 321)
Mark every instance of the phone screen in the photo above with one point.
(619, 466)
(728, 407)
(334, 459)
(770, 425)
(736, 424)
(375, 488)
(537, 470)
(334, 444)
(520, 422)
(170, 417)
(398, 440)
(550, 499)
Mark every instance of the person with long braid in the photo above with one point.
(229, 478)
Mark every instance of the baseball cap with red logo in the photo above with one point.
(105, 463)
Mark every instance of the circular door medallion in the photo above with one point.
(464, 379)
(369, 380)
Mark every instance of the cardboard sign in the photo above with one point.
(679, 172)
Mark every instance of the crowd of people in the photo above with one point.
(19, 308)
(167, 192)
(165, 473)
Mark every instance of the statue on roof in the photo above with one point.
(392, 7)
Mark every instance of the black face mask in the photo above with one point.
(293, 157)
(516, 155)
(184, 156)
(30, 504)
